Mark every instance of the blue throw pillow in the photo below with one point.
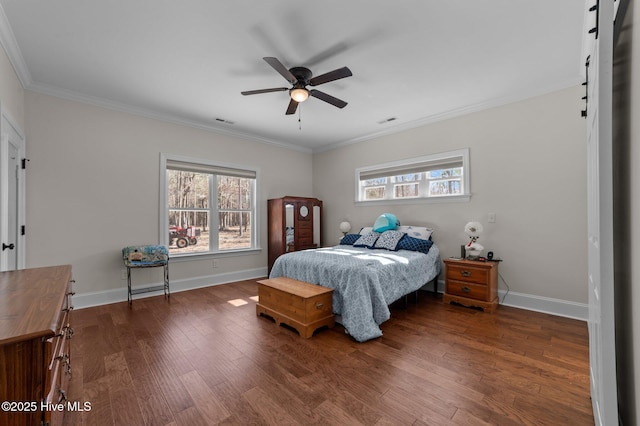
(368, 240)
(414, 244)
(386, 222)
(349, 239)
(389, 240)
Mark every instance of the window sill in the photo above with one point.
(431, 200)
(190, 257)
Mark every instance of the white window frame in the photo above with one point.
(164, 207)
(408, 166)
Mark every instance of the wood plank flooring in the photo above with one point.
(204, 358)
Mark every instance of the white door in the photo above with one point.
(11, 196)
(602, 350)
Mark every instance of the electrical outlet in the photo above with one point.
(215, 263)
(491, 218)
(123, 274)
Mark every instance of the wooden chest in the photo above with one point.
(305, 307)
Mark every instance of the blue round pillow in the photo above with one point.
(386, 222)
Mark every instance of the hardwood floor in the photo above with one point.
(204, 358)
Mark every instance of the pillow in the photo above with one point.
(414, 244)
(385, 222)
(368, 240)
(389, 240)
(349, 239)
(420, 232)
(366, 230)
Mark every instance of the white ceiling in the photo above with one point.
(187, 61)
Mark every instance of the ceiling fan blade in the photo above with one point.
(256, 92)
(328, 98)
(293, 106)
(326, 54)
(282, 70)
(330, 76)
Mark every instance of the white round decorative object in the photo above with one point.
(345, 227)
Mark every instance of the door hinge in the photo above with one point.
(24, 163)
(23, 230)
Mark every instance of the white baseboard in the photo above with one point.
(547, 305)
(563, 308)
(120, 294)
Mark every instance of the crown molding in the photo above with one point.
(458, 112)
(10, 45)
(154, 115)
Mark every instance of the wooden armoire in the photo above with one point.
(295, 223)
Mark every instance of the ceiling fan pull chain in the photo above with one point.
(300, 118)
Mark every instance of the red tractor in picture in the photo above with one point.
(183, 236)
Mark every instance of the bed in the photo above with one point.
(367, 278)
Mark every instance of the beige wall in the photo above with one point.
(528, 165)
(11, 92)
(93, 187)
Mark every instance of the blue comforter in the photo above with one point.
(364, 281)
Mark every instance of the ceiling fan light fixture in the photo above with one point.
(299, 94)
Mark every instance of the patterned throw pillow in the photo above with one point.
(368, 240)
(421, 232)
(349, 239)
(389, 240)
(415, 244)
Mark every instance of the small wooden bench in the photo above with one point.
(303, 306)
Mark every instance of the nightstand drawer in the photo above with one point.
(465, 289)
(467, 273)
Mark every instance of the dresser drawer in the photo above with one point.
(465, 289)
(305, 233)
(467, 273)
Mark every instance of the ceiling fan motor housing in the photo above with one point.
(302, 74)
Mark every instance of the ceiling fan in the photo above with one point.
(300, 78)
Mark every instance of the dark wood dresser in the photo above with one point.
(295, 223)
(35, 357)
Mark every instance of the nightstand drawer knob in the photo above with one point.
(466, 289)
(319, 305)
(465, 273)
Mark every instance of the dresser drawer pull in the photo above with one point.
(319, 305)
(465, 273)
(466, 289)
(69, 331)
(63, 396)
(70, 308)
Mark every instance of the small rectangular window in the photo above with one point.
(437, 176)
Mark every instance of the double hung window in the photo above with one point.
(207, 207)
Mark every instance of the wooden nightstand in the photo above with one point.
(472, 283)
